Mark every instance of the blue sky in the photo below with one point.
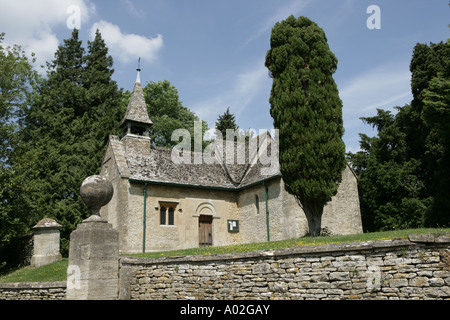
(213, 51)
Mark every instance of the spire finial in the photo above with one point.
(138, 78)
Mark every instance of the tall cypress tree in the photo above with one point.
(307, 110)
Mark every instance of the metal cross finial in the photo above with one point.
(139, 64)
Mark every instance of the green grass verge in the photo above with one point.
(57, 271)
(305, 241)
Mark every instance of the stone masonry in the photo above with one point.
(387, 270)
(33, 291)
(417, 268)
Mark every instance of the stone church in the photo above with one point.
(160, 204)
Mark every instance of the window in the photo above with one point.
(257, 204)
(171, 216)
(167, 214)
(162, 215)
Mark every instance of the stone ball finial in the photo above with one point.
(96, 191)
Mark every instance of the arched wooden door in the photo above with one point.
(205, 230)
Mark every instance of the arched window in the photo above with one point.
(257, 204)
(162, 215)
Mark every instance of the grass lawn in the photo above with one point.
(305, 241)
(57, 271)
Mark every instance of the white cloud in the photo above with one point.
(31, 23)
(293, 8)
(126, 47)
(44, 46)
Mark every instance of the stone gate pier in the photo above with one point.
(93, 268)
(46, 243)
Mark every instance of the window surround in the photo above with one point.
(167, 211)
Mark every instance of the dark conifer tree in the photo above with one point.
(307, 110)
(74, 111)
(403, 172)
(226, 121)
(103, 100)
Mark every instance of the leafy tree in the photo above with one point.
(307, 110)
(168, 113)
(17, 80)
(226, 121)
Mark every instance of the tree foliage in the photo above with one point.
(65, 130)
(168, 114)
(307, 110)
(403, 172)
(226, 121)
(17, 81)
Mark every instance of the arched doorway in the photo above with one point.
(205, 213)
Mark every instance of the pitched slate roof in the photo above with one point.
(155, 165)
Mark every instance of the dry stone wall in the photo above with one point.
(33, 291)
(390, 270)
(417, 268)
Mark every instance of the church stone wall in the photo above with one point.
(116, 211)
(189, 204)
(284, 218)
(342, 214)
(252, 222)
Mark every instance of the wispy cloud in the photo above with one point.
(293, 8)
(385, 87)
(132, 8)
(382, 87)
(126, 47)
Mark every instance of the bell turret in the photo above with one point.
(136, 120)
